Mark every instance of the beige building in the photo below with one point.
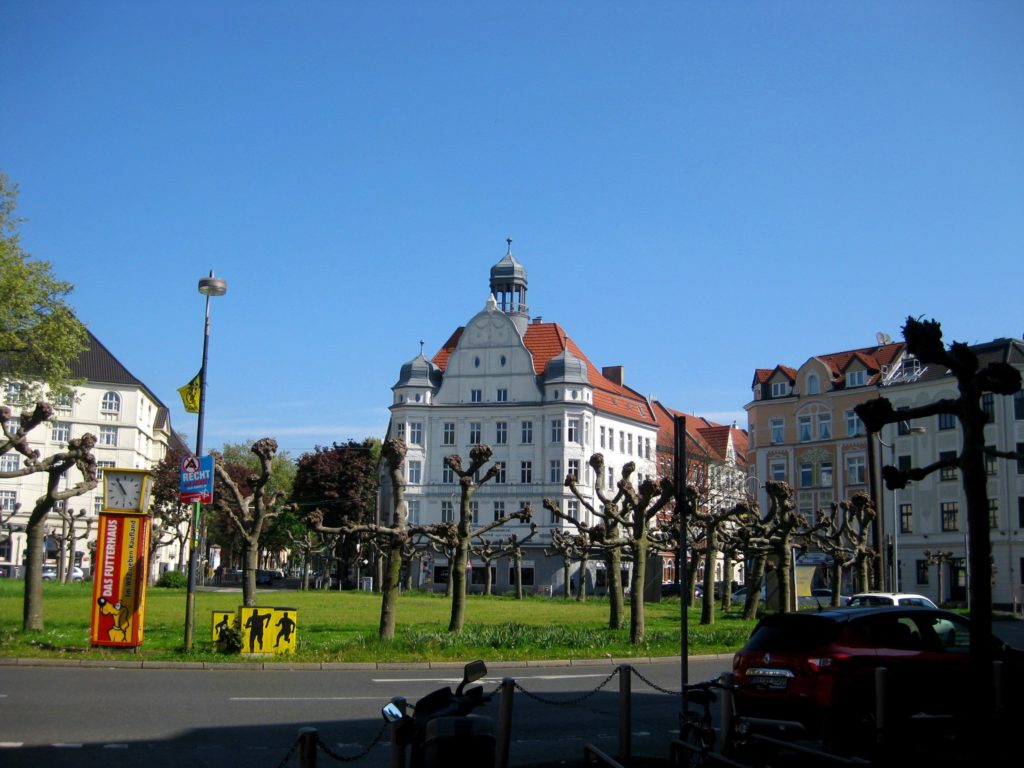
(132, 428)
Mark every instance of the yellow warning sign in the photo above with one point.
(268, 630)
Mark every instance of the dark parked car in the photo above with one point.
(818, 668)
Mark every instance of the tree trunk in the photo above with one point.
(754, 578)
(250, 554)
(33, 611)
(581, 579)
(519, 574)
(566, 578)
(707, 613)
(785, 554)
(637, 626)
(458, 577)
(389, 589)
(616, 619)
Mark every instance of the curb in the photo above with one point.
(337, 666)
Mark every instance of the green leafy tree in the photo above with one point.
(40, 338)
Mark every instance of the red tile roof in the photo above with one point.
(872, 358)
(547, 340)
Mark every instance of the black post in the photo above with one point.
(682, 571)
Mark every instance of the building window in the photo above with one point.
(527, 432)
(574, 468)
(906, 518)
(611, 477)
(61, 432)
(903, 463)
(824, 426)
(572, 430)
(64, 402)
(502, 396)
(526, 573)
(501, 432)
(988, 405)
(414, 511)
(500, 476)
(10, 462)
(401, 430)
(803, 426)
(826, 474)
(993, 513)
(778, 427)
(556, 471)
(812, 384)
(448, 433)
(950, 516)
(415, 471)
(780, 388)
(629, 444)
(447, 475)
(526, 471)
(447, 512)
(806, 475)
(622, 441)
(1018, 404)
(8, 500)
(647, 447)
(854, 470)
(13, 393)
(602, 436)
(556, 431)
(474, 433)
(108, 436)
(991, 461)
(111, 403)
(856, 378)
(474, 511)
(416, 433)
(572, 509)
(1020, 511)
(947, 473)
(854, 426)
(947, 421)
(1020, 458)
(499, 510)
(778, 471)
(476, 395)
(921, 566)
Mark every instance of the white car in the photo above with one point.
(50, 573)
(867, 599)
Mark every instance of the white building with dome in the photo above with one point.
(524, 388)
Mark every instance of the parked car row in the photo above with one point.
(50, 573)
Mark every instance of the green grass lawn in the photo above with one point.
(342, 627)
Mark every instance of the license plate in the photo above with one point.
(769, 683)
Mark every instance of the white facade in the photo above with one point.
(931, 514)
(132, 428)
(519, 388)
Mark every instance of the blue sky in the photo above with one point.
(697, 189)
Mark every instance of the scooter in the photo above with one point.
(442, 731)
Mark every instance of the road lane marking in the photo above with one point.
(484, 680)
(304, 698)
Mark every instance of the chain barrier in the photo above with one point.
(291, 751)
(327, 750)
(569, 702)
(654, 685)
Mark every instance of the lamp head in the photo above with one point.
(212, 286)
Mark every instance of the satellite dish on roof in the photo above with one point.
(883, 338)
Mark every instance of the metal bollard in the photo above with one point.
(308, 739)
(397, 755)
(997, 682)
(625, 712)
(501, 747)
(726, 711)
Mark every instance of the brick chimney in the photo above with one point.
(614, 374)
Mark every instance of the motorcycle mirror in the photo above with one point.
(391, 712)
(471, 673)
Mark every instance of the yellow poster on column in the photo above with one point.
(119, 580)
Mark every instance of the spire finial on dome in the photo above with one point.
(421, 346)
(509, 241)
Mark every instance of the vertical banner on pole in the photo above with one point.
(119, 581)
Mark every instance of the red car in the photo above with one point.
(819, 668)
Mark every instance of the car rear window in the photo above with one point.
(793, 632)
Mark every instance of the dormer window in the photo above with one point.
(812, 385)
(780, 388)
(856, 378)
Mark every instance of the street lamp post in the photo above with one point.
(209, 287)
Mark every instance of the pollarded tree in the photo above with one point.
(788, 529)
(640, 508)
(464, 530)
(605, 536)
(572, 546)
(924, 341)
(249, 509)
(844, 535)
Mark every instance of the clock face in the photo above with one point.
(123, 490)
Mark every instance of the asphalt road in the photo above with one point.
(103, 717)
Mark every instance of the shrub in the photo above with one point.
(173, 580)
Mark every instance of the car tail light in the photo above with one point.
(826, 663)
